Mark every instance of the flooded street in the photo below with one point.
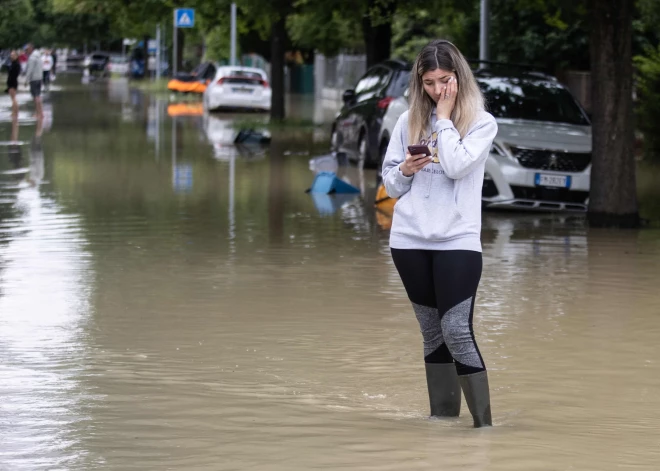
(170, 301)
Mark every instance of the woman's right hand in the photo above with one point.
(413, 164)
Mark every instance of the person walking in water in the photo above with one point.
(34, 74)
(22, 60)
(12, 80)
(47, 65)
(436, 227)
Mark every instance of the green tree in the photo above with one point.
(126, 18)
(325, 30)
(16, 23)
(323, 22)
(648, 113)
(413, 29)
(550, 34)
(647, 64)
(217, 43)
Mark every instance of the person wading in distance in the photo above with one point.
(12, 80)
(33, 77)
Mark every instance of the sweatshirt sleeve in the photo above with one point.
(396, 183)
(28, 68)
(459, 157)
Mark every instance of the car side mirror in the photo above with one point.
(348, 96)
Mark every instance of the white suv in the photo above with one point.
(541, 156)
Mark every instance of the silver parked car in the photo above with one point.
(541, 156)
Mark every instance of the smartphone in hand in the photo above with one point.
(419, 150)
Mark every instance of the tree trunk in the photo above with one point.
(613, 196)
(278, 45)
(377, 30)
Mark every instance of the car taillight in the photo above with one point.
(264, 83)
(385, 102)
(220, 81)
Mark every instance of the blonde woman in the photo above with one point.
(435, 236)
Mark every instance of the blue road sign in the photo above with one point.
(182, 178)
(184, 17)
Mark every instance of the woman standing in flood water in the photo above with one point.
(436, 226)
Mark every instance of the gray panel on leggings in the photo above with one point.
(456, 329)
(429, 325)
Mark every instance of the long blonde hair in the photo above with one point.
(441, 54)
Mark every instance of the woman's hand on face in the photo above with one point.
(413, 164)
(447, 100)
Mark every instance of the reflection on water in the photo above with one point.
(162, 306)
(44, 305)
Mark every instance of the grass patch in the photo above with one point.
(151, 86)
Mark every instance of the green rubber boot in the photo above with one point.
(477, 396)
(444, 389)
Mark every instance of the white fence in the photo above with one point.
(333, 75)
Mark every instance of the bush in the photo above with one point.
(648, 101)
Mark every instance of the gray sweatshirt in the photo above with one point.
(439, 208)
(34, 70)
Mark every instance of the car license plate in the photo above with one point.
(242, 90)
(557, 181)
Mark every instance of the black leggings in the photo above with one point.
(442, 285)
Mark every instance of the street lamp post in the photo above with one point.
(232, 47)
(484, 52)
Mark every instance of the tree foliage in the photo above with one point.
(36, 21)
(327, 31)
(413, 29)
(550, 34)
(648, 113)
(647, 64)
(125, 18)
(16, 23)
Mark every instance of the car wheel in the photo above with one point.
(207, 103)
(334, 140)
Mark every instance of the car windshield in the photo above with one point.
(532, 99)
(400, 84)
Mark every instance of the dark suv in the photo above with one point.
(355, 130)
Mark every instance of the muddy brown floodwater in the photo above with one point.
(168, 301)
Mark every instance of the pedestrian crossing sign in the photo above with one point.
(184, 17)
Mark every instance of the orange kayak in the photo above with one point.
(180, 86)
